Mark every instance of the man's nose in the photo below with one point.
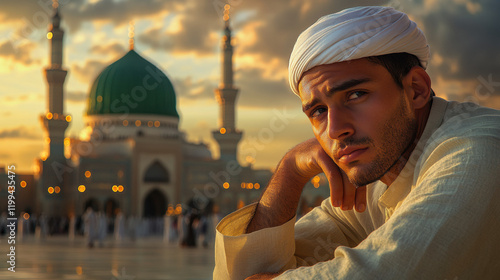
(339, 124)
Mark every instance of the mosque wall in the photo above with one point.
(106, 178)
(151, 152)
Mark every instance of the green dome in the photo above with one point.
(132, 85)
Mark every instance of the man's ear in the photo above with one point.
(418, 84)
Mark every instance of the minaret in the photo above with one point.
(53, 184)
(227, 136)
(54, 121)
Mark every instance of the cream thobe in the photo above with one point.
(440, 219)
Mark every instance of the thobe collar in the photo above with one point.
(401, 187)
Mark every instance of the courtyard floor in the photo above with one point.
(148, 259)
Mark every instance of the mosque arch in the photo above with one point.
(155, 204)
(156, 173)
(91, 202)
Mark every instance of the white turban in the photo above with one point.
(355, 33)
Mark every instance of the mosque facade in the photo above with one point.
(133, 158)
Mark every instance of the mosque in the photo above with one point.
(132, 157)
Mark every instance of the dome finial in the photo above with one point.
(131, 34)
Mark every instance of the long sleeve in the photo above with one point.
(312, 239)
(239, 255)
(438, 220)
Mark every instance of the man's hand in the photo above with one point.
(310, 159)
(262, 276)
(279, 202)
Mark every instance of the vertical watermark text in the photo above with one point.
(11, 209)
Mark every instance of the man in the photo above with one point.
(421, 173)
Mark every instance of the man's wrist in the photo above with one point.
(280, 200)
(294, 175)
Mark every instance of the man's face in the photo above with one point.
(359, 115)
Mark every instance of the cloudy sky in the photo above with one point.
(182, 37)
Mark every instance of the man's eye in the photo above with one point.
(355, 95)
(316, 112)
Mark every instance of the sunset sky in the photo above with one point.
(182, 37)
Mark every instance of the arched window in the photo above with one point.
(156, 173)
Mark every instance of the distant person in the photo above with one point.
(175, 230)
(119, 226)
(72, 227)
(103, 227)
(182, 227)
(41, 227)
(91, 225)
(202, 230)
(422, 173)
(190, 236)
(167, 228)
(21, 223)
(133, 227)
(215, 218)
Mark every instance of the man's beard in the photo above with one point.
(397, 135)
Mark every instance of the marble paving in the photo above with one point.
(148, 259)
